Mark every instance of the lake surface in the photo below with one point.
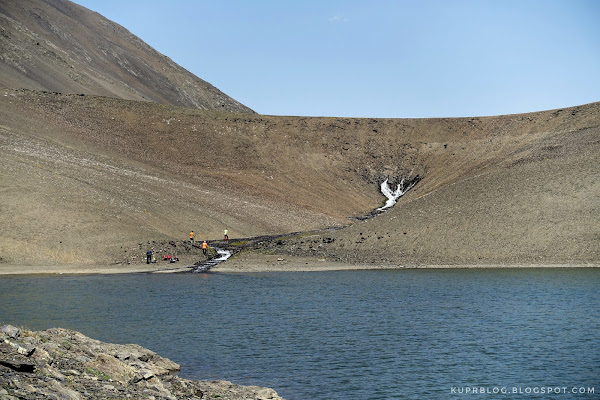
(400, 334)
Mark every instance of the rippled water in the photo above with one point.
(405, 334)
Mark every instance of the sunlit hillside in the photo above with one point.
(85, 176)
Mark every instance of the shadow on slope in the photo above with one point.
(60, 46)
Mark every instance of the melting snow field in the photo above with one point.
(392, 197)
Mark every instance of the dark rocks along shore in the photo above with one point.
(64, 364)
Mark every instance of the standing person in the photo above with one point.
(225, 235)
(148, 256)
(192, 237)
(204, 247)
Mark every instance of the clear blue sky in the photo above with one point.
(379, 58)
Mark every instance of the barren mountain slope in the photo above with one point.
(86, 178)
(59, 46)
(522, 189)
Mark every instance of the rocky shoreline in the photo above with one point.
(64, 364)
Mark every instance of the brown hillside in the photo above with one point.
(86, 178)
(59, 46)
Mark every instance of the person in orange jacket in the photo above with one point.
(204, 247)
(192, 236)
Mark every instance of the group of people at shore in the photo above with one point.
(205, 244)
(151, 259)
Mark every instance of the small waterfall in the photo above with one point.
(205, 266)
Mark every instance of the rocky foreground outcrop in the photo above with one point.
(63, 364)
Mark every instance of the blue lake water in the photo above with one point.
(401, 334)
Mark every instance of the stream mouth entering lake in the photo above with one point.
(205, 266)
(393, 334)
